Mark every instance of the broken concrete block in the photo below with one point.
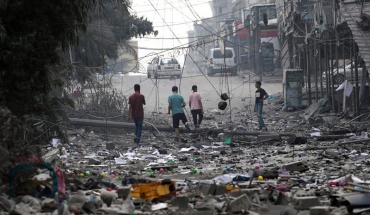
(208, 189)
(94, 161)
(181, 202)
(321, 210)
(240, 204)
(220, 190)
(162, 151)
(108, 197)
(296, 166)
(278, 210)
(204, 208)
(123, 192)
(220, 206)
(266, 137)
(236, 193)
(305, 202)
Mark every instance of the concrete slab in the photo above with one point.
(305, 202)
(242, 203)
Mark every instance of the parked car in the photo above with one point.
(161, 66)
(220, 62)
(343, 74)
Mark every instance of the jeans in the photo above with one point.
(138, 128)
(195, 114)
(259, 107)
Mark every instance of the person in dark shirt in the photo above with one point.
(136, 111)
(261, 95)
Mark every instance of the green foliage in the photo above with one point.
(37, 39)
(30, 33)
(110, 25)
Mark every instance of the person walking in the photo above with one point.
(136, 111)
(196, 106)
(261, 95)
(176, 104)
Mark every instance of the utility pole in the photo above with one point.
(308, 67)
(327, 72)
(315, 70)
(320, 72)
(357, 102)
(332, 75)
(337, 61)
(258, 45)
(351, 48)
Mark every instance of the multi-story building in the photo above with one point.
(201, 40)
(221, 10)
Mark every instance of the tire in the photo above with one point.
(148, 74)
(338, 78)
(155, 74)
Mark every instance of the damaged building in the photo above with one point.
(329, 41)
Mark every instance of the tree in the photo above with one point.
(33, 36)
(109, 27)
(32, 33)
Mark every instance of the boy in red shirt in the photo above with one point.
(136, 111)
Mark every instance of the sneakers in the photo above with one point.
(197, 126)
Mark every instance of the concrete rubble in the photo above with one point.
(222, 168)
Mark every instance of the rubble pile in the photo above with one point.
(295, 168)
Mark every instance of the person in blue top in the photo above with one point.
(176, 104)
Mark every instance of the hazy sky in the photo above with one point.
(168, 17)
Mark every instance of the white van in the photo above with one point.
(218, 62)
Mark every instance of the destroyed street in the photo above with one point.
(185, 107)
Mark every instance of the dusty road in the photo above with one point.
(157, 91)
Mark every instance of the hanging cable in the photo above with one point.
(186, 50)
